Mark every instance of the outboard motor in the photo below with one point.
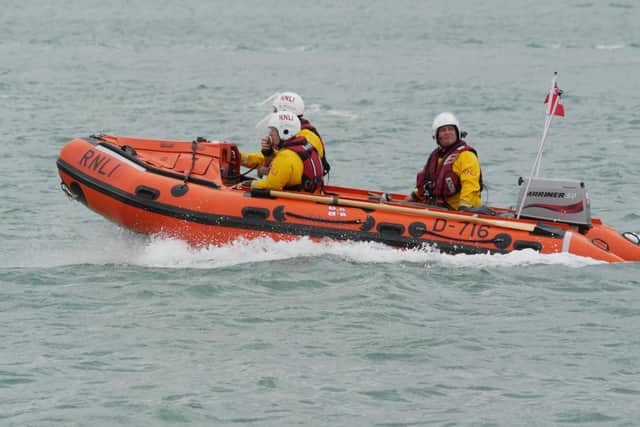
(559, 200)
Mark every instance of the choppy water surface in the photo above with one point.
(103, 327)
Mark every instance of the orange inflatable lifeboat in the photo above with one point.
(186, 190)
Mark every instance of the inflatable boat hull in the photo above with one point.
(186, 190)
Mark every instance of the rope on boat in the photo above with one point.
(194, 147)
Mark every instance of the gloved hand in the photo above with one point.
(413, 197)
(465, 206)
(263, 170)
(244, 185)
(266, 146)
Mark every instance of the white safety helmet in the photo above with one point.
(286, 123)
(286, 101)
(444, 119)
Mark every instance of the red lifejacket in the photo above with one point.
(437, 181)
(312, 171)
(306, 124)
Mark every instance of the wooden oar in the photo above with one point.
(335, 200)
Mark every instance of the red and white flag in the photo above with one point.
(556, 100)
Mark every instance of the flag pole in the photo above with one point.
(536, 165)
(551, 110)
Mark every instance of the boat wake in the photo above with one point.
(169, 253)
(126, 248)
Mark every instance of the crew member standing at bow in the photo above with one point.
(452, 176)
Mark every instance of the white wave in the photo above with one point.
(169, 253)
(127, 248)
(287, 49)
(312, 108)
(342, 114)
(610, 46)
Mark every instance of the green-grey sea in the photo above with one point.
(102, 327)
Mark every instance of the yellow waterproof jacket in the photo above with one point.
(286, 171)
(467, 167)
(253, 160)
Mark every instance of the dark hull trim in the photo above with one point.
(391, 239)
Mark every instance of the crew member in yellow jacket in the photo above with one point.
(296, 164)
(292, 102)
(452, 176)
